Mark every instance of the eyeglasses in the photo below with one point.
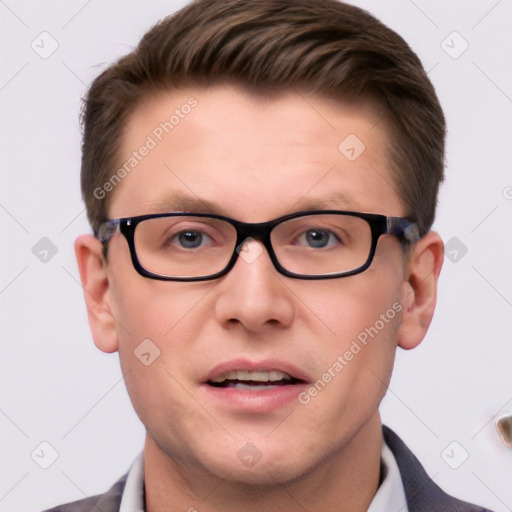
(317, 244)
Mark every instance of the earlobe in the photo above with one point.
(419, 290)
(95, 283)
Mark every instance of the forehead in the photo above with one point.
(253, 157)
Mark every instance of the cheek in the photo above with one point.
(354, 307)
(360, 317)
(149, 308)
(158, 325)
(158, 329)
(364, 344)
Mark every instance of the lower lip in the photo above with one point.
(254, 400)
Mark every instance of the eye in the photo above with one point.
(318, 238)
(190, 239)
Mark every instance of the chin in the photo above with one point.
(249, 466)
(262, 474)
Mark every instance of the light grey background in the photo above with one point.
(56, 387)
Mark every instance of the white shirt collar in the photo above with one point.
(390, 496)
(133, 494)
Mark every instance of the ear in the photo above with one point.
(419, 293)
(95, 283)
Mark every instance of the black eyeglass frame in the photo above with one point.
(404, 229)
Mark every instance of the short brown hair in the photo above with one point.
(325, 47)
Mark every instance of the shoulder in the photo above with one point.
(422, 493)
(107, 502)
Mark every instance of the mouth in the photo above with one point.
(256, 387)
(253, 380)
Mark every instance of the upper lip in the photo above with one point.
(265, 365)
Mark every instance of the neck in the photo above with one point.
(345, 481)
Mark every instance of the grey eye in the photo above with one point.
(190, 239)
(319, 238)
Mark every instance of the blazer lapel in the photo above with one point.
(108, 502)
(423, 495)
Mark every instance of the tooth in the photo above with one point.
(275, 375)
(259, 376)
(255, 376)
(256, 387)
(225, 376)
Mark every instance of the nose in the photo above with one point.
(253, 294)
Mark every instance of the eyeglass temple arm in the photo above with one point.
(107, 230)
(403, 228)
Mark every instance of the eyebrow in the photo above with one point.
(181, 202)
(335, 200)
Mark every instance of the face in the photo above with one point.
(255, 159)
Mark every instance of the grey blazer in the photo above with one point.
(423, 495)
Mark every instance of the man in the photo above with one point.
(261, 178)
